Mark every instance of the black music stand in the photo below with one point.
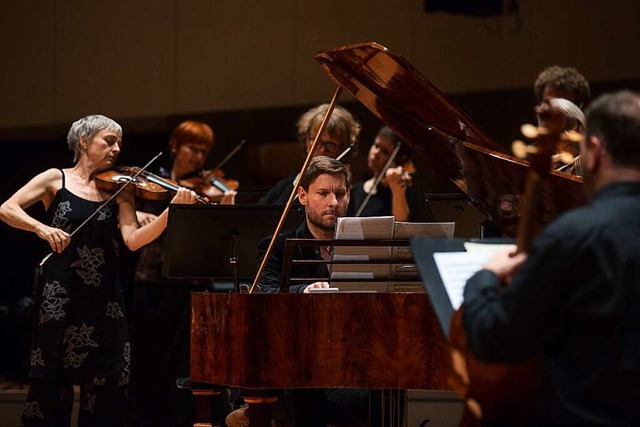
(423, 249)
(220, 241)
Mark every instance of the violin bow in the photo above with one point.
(312, 150)
(381, 175)
(339, 158)
(106, 202)
(230, 155)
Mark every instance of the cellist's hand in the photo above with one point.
(505, 263)
(184, 196)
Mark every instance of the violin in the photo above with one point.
(408, 170)
(210, 183)
(145, 185)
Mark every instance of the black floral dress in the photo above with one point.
(80, 333)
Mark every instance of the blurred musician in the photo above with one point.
(341, 132)
(576, 296)
(572, 93)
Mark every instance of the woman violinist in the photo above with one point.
(160, 314)
(392, 195)
(80, 335)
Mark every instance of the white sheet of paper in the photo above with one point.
(456, 268)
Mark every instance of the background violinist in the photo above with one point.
(341, 131)
(160, 307)
(394, 194)
(80, 333)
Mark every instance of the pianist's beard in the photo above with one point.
(324, 220)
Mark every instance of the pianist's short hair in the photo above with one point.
(88, 127)
(324, 164)
(566, 80)
(341, 121)
(615, 119)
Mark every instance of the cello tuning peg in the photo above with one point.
(565, 157)
(520, 149)
(573, 136)
(529, 130)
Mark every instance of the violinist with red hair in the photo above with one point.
(160, 314)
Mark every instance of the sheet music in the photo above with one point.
(407, 230)
(400, 270)
(456, 268)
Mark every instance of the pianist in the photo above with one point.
(324, 193)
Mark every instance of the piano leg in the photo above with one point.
(203, 416)
(260, 409)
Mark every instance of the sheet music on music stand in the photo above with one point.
(395, 262)
(445, 265)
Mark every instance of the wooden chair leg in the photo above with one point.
(203, 416)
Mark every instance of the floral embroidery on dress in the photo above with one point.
(114, 310)
(88, 398)
(51, 307)
(74, 338)
(89, 262)
(124, 376)
(36, 357)
(116, 247)
(106, 212)
(32, 410)
(60, 215)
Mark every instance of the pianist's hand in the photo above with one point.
(316, 285)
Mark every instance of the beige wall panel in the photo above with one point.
(328, 24)
(234, 54)
(598, 37)
(114, 57)
(27, 51)
(156, 58)
(462, 53)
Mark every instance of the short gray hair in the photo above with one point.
(88, 127)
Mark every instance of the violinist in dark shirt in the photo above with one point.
(394, 194)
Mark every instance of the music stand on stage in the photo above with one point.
(220, 241)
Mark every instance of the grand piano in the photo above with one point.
(261, 342)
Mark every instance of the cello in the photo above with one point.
(504, 394)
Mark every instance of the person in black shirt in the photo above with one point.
(324, 192)
(576, 296)
(342, 131)
(393, 195)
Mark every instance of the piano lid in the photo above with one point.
(452, 144)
